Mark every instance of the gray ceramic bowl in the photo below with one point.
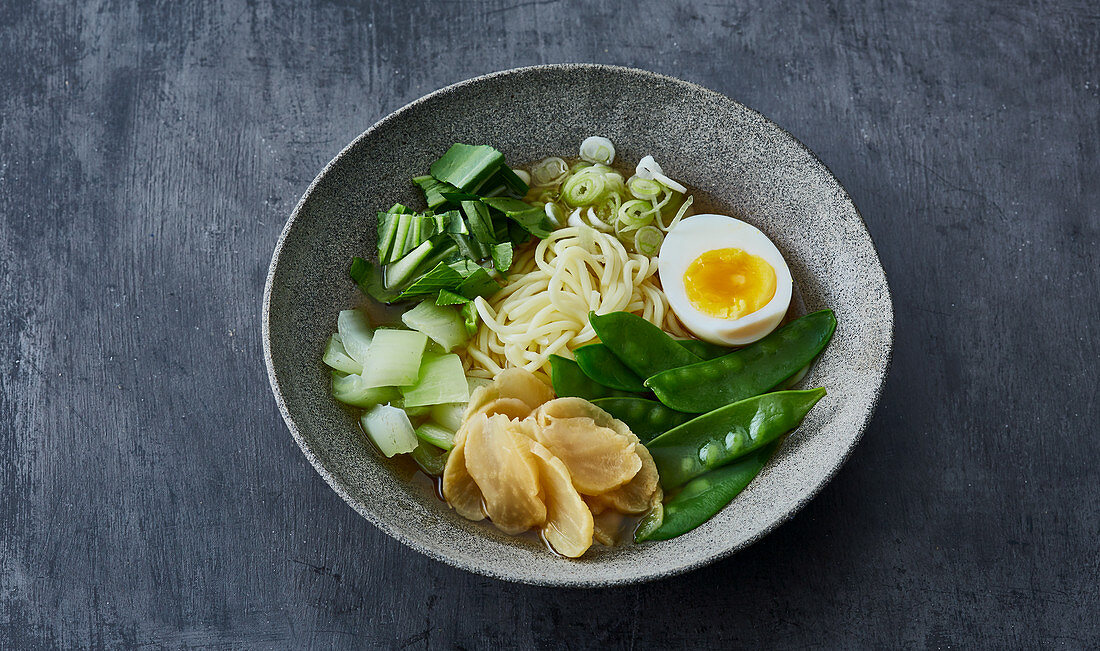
(737, 160)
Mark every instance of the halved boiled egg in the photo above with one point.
(724, 279)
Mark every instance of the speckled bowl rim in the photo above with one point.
(551, 581)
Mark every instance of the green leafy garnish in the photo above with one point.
(467, 166)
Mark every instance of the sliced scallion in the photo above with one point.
(634, 214)
(643, 188)
(648, 239)
(682, 212)
(597, 149)
(548, 171)
(584, 188)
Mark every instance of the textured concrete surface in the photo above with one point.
(150, 494)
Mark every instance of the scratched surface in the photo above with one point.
(151, 495)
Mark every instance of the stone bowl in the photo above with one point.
(736, 161)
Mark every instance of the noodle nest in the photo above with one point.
(543, 309)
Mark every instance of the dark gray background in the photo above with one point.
(150, 153)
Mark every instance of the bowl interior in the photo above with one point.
(734, 158)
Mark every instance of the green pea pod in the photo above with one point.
(704, 349)
(643, 347)
(599, 363)
(570, 381)
(648, 419)
(723, 435)
(705, 496)
(650, 522)
(746, 372)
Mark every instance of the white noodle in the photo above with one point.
(543, 310)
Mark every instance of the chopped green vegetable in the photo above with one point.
(442, 324)
(441, 380)
(447, 297)
(469, 313)
(369, 277)
(355, 333)
(438, 436)
(532, 218)
(338, 358)
(390, 429)
(478, 283)
(387, 233)
(353, 390)
(467, 166)
(515, 184)
(502, 256)
(430, 459)
(433, 190)
(450, 415)
(403, 270)
(394, 358)
(400, 245)
(481, 225)
(517, 234)
(442, 276)
(458, 197)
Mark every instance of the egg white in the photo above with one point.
(701, 233)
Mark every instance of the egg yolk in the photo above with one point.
(729, 283)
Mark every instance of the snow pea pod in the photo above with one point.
(648, 419)
(599, 363)
(704, 349)
(746, 372)
(705, 496)
(643, 347)
(570, 381)
(723, 435)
